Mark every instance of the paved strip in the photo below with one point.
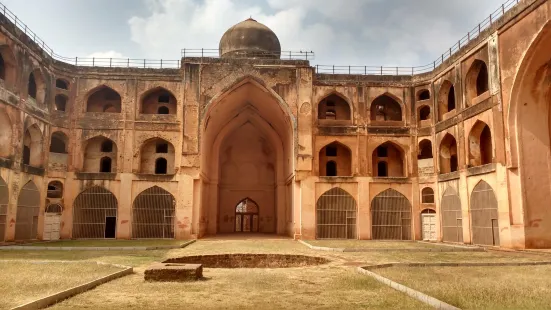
(436, 249)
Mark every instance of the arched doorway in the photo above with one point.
(246, 216)
(484, 215)
(452, 221)
(390, 216)
(428, 224)
(246, 151)
(153, 214)
(336, 215)
(28, 205)
(95, 214)
(4, 200)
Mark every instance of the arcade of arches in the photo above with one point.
(242, 145)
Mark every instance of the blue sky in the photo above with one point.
(362, 32)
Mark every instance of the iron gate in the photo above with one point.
(336, 215)
(28, 206)
(4, 200)
(484, 215)
(452, 220)
(93, 213)
(153, 214)
(390, 216)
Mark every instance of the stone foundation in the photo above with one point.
(161, 272)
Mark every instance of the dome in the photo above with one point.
(250, 39)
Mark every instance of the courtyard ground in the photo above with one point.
(366, 244)
(327, 286)
(108, 243)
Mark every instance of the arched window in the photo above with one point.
(2, 69)
(425, 150)
(476, 80)
(427, 195)
(105, 165)
(448, 155)
(60, 103)
(107, 146)
(31, 86)
(32, 147)
(58, 143)
(158, 101)
(385, 108)
(55, 189)
(61, 84)
(163, 110)
(382, 169)
(8, 66)
(423, 95)
(6, 136)
(246, 216)
(335, 159)
(424, 113)
(446, 99)
(334, 107)
(480, 145)
(104, 99)
(388, 161)
(161, 166)
(331, 168)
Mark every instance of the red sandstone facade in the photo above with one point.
(251, 142)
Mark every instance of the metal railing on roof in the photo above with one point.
(215, 53)
(382, 70)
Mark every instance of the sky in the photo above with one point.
(345, 32)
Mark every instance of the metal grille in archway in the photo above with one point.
(28, 206)
(4, 200)
(95, 214)
(246, 216)
(390, 216)
(153, 214)
(452, 221)
(484, 215)
(336, 215)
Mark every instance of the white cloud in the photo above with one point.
(108, 54)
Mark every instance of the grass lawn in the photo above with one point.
(24, 282)
(520, 287)
(369, 244)
(109, 243)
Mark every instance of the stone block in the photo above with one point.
(169, 272)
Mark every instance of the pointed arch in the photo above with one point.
(152, 151)
(28, 206)
(246, 216)
(427, 195)
(446, 99)
(480, 144)
(484, 215)
(96, 150)
(103, 99)
(59, 142)
(425, 114)
(423, 94)
(391, 216)
(55, 189)
(36, 86)
(393, 156)
(6, 134)
(386, 107)
(61, 102)
(449, 157)
(335, 159)
(95, 214)
(32, 146)
(153, 214)
(336, 215)
(476, 80)
(452, 219)
(4, 201)
(8, 65)
(334, 106)
(156, 100)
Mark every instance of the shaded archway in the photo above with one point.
(448, 155)
(424, 115)
(58, 143)
(4, 200)
(103, 99)
(62, 84)
(336, 215)
(246, 216)
(480, 145)
(158, 101)
(28, 206)
(390, 216)
(423, 94)
(6, 134)
(476, 80)
(153, 214)
(100, 155)
(452, 220)
(335, 159)
(32, 146)
(155, 153)
(8, 65)
(61, 102)
(95, 214)
(334, 107)
(55, 190)
(385, 108)
(484, 215)
(246, 151)
(446, 99)
(388, 161)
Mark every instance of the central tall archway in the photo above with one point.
(246, 151)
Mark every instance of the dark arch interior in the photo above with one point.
(105, 165)
(385, 108)
(161, 166)
(107, 146)
(424, 95)
(451, 99)
(60, 103)
(331, 169)
(61, 84)
(334, 108)
(31, 90)
(482, 80)
(424, 113)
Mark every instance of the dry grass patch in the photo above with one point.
(519, 287)
(293, 288)
(23, 282)
(370, 244)
(109, 243)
